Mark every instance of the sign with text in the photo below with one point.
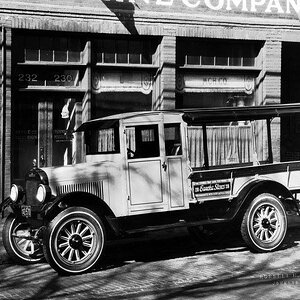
(41, 78)
(211, 188)
(198, 83)
(122, 82)
(287, 9)
(282, 8)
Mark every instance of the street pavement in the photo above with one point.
(165, 265)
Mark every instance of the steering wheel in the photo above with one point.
(130, 153)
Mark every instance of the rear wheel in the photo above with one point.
(19, 243)
(264, 224)
(74, 241)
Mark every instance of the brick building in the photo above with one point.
(66, 62)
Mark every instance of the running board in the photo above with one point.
(177, 225)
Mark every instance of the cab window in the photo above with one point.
(172, 139)
(142, 141)
(102, 141)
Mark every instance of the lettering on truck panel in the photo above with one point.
(211, 188)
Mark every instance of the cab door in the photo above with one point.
(146, 168)
(176, 166)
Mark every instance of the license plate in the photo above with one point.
(26, 211)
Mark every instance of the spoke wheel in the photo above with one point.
(18, 247)
(264, 224)
(74, 241)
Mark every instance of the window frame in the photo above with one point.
(88, 135)
(138, 141)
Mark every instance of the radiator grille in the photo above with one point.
(95, 188)
(31, 189)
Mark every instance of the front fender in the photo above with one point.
(61, 202)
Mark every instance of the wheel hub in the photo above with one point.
(265, 223)
(75, 241)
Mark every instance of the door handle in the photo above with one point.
(164, 165)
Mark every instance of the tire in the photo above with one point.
(264, 224)
(74, 241)
(20, 250)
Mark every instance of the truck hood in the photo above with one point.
(86, 177)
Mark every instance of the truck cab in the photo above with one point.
(199, 169)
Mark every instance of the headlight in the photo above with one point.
(16, 192)
(42, 193)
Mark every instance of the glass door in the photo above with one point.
(42, 132)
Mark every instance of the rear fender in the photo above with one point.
(253, 189)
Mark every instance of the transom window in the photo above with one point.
(122, 51)
(48, 49)
(201, 52)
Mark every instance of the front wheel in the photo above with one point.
(264, 224)
(20, 242)
(74, 241)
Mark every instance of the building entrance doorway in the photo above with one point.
(41, 132)
(290, 93)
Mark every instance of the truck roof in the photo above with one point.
(217, 114)
(199, 116)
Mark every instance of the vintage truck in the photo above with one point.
(203, 169)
